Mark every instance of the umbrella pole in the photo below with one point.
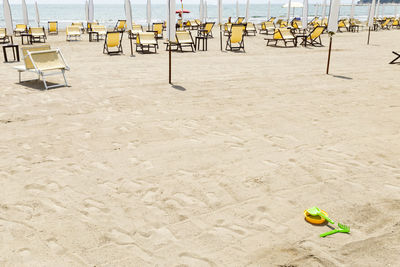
(329, 55)
(170, 65)
(220, 36)
(369, 34)
(131, 47)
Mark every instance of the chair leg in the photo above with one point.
(394, 60)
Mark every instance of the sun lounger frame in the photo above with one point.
(42, 74)
(394, 61)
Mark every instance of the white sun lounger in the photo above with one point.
(44, 62)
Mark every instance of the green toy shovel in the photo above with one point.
(314, 211)
(342, 229)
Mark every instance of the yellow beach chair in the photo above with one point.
(236, 38)
(284, 35)
(314, 38)
(184, 39)
(267, 27)
(44, 62)
(120, 26)
(4, 39)
(145, 41)
(80, 25)
(20, 28)
(100, 29)
(38, 34)
(343, 24)
(158, 29)
(239, 20)
(250, 28)
(136, 29)
(52, 27)
(73, 32)
(89, 26)
(113, 41)
(206, 30)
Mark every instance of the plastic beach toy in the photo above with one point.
(314, 211)
(315, 219)
(342, 229)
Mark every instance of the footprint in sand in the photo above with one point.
(191, 259)
(56, 248)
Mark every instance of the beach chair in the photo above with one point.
(89, 26)
(158, 29)
(239, 20)
(73, 32)
(79, 25)
(397, 59)
(136, 29)
(343, 24)
(267, 27)
(250, 28)
(52, 27)
(284, 35)
(235, 40)
(314, 38)
(20, 28)
(184, 39)
(100, 29)
(297, 25)
(38, 34)
(386, 24)
(395, 23)
(120, 26)
(191, 25)
(227, 28)
(44, 62)
(113, 41)
(145, 41)
(199, 22)
(4, 39)
(206, 30)
(271, 19)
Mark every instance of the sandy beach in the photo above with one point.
(123, 169)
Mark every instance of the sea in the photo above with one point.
(108, 14)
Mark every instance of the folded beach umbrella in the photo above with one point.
(323, 10)
(148, 13)
(91, 12)
(247, 10)
(383, 11)
(205, 10)
(352, 9)
(332, 25)
(25, 13)
(201, 10)
(371, 16)
(128, 14)
(87, 10)
(37, 18)
(220, 20)
(8, 19)
(288, 11)
(304, 18)
(171, 20)
(269, 9)
(395, 11)
(237, 8)
(377, 8)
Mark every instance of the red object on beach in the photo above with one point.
(182, 11)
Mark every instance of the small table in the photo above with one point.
(15, 51)
(204, 43)
(302, 36)
(91, 39)
(29, 38)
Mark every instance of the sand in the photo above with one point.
(122, 169)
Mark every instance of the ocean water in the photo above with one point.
(109, 14)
